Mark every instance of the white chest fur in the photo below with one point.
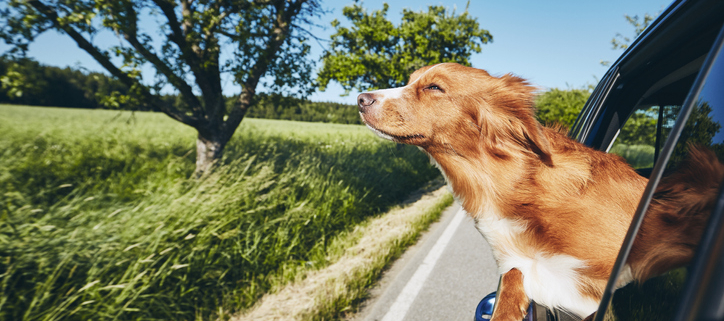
(549, 279)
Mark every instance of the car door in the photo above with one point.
(661, 112)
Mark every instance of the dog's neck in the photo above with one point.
(479, 182)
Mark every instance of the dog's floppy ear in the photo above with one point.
(537, 141)
(520, 102)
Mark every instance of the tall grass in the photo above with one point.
(98, 219)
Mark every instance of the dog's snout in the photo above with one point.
(364, 101)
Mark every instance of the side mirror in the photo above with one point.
(484, 311)
(536, 312)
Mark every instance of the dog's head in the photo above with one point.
(451, 108)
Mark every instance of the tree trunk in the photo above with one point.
(208, 153)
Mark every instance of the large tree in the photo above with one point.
(191, 44)
(374, 53)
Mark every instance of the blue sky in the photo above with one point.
(553, 44)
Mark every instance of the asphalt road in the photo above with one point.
(442, 277)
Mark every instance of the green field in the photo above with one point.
(100, 221)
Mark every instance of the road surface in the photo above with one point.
(442, 277)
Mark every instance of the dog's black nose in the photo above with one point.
(364, 101)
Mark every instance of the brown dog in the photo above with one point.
(553, 210)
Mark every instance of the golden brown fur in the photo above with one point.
(481, 131)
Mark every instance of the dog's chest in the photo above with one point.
(550, 279)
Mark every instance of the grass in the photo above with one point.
(335, 291)
(98, 219)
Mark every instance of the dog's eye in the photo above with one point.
(433, 87)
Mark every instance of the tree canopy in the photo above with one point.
(374, 53)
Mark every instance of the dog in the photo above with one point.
(554, 211)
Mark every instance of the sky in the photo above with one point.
(553, 44)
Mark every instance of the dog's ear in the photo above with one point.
(537, 141)
(520, 103)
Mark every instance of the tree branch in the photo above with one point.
(280, 31)
(186, 91)
(191, 53)
(177, 35)
(104, 61)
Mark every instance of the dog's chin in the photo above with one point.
(413, 139)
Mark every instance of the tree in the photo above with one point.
(265, 38)
(560, 107)
(25, 81)
(374, 53)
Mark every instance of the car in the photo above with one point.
(664, 93)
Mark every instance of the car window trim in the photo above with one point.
(656, 175)
(659, 125)
(596, 103)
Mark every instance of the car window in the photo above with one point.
(642, 135)
(656, 97)
(691, 181)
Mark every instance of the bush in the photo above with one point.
(561, 107)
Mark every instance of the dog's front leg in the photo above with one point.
(512, 303)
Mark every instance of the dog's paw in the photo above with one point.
(509, 316)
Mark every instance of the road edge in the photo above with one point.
(337, 290)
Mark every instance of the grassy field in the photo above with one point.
(100, 221)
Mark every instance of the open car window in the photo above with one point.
(690, 186)
(655, 97)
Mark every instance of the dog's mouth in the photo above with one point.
(406, 139)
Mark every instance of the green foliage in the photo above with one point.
(25, 81)
(374, 53)
(99, 220)
(700, 129)
(561, 107)
(18, 81)
(636, 141)
(640, 128)
(638, 156)
(189, 44)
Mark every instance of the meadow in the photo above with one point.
(99, 219)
